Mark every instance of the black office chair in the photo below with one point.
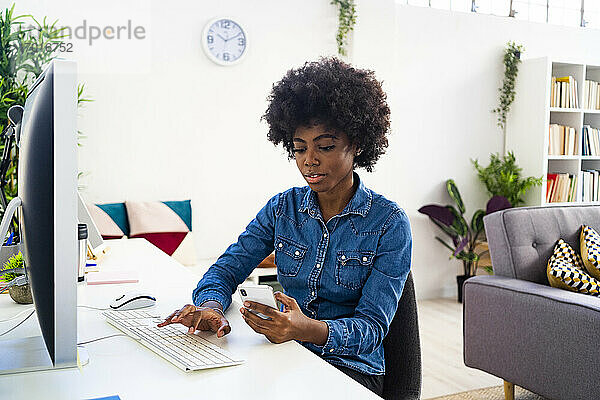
(402, 348)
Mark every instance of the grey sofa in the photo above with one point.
(520, 329)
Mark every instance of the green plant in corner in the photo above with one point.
(13, 262)
(512, 59)
(24, 51)
(346, 20)
(26, 47)
(503, 178)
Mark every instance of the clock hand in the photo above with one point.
(225, 40)
(235, 36)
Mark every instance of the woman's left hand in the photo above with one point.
(283, 326)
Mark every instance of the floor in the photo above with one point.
(440, 325)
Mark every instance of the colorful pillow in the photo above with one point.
(166, 224)
(110, 219)
(565, 271)
(590, 250)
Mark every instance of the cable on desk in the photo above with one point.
(94, 308)
(19, 280)
(17, 325)
(16, 316)
(101, 338)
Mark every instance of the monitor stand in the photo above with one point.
(30, 354)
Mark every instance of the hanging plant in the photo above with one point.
(512, 59)
(346, 19)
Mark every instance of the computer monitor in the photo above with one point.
(47, 195)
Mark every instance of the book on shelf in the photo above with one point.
(563, 92)
(561, 188)
(591, 141)
(590, 188)
(550, 181)
(562, 141)
(591, 95)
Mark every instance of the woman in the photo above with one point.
(342, 251)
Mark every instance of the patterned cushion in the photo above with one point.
(111, 219)
(166, 224)
(590, 250)
(565, 271)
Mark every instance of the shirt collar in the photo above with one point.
(359, 204)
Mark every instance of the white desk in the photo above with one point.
(122, 366)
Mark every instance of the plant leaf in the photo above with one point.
(439, 213)
(459, 224)
(497, 203)
(455, 194)
(448, 230)
(445, 244)
(461, 246)
(477, 221)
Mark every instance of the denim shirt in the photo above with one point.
(348, 272)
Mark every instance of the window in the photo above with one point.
(442, 4)
(591, 14)
(560, 12)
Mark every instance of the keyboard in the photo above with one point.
(185, 350)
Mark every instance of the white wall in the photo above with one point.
(167, 123)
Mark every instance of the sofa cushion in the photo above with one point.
(590, 250)
(522, 239)
(166, 224)
(565, 271)
(110, 219)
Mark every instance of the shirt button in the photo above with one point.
(297, 253)
(343, 257)
(331, 350)
(365, 259)
(280, 245)
(318, 266)
(325, 234)
(313, 294)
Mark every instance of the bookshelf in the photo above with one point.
(527, 128)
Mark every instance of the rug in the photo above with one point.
(491, 393)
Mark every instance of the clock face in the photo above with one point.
(224, 41)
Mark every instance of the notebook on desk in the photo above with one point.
(111, 277)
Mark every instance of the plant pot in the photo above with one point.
(460, 280)
(21, 294)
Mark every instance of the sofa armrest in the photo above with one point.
(535, 336)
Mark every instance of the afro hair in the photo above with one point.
(334, 94)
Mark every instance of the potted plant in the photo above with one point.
(20, 293)
(503, 178)
(465, 236)
(27, 45)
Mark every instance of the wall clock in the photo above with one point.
(224, 41)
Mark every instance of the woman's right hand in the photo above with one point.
(199, 318)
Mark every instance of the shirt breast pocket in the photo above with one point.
(289, 256)
(353, 268)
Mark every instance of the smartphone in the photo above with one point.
(262, 294)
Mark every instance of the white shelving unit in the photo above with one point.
(531, 115)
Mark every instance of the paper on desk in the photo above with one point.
(108, 277)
